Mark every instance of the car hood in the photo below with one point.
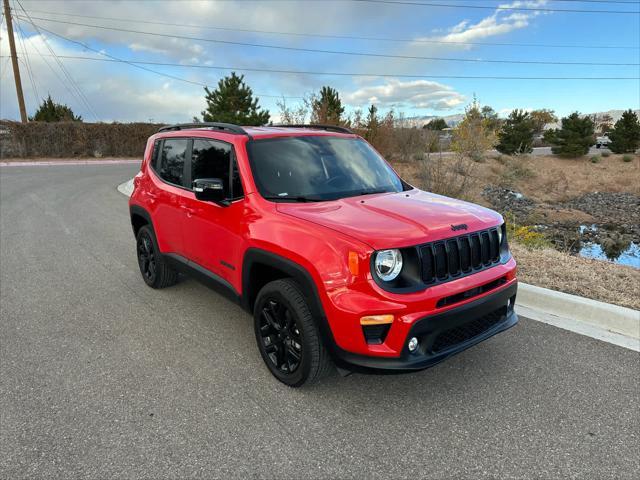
(391, 220)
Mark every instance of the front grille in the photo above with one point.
(459, 256)
(455, 336)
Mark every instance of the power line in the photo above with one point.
(436, 4)
(74, 86)
(488, 7)
(133, 64)
(343, 37)
(345, 74)
(338, 52)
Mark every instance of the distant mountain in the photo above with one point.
(453, 120)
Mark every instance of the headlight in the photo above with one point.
(388, 264)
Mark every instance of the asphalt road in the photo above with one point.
(104, 377)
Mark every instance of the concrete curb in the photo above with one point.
(603, 321)
(611, 323)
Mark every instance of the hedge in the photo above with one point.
(74, 139)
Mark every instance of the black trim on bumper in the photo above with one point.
(467, 317)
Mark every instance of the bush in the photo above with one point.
(574, 138)
(516, 134)
(526, 236)
(75, 139)
(474, 135)
(627, 158)
(625, 136)
(441, 177)
(595, 159)
(605, 154)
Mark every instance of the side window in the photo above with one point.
(171, 167)
(155, 153)
(212, 159)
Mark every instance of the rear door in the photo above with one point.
(170, 169)
(212, 232)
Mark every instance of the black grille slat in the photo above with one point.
(440, 253)
(495, 245)
(428, 274)
(453, 257)
(459, 256)
(465, 254)
(475, 251)
(484, 244)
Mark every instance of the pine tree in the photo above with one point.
(327, 107)
(436, 124)
(371, 124)
(574, 138)
(516, 134)
(625, 136)
(50, 111)
(232, 102)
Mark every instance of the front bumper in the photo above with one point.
(445, 334)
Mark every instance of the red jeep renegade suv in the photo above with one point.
(338, 259)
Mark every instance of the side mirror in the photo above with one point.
(209, 190)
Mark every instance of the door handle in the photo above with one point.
(188, 210)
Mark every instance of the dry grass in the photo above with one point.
(547, 179)
(594, 279)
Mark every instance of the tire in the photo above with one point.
(153, 267)
(287, 335)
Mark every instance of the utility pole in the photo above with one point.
(14, 61)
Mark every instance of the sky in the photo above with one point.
(232, 34)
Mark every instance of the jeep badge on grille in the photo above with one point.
(462, 226)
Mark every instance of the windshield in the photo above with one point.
(317, 168)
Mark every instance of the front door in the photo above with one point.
(212, 232)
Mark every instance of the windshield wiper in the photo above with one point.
(373, 190)
(294, 198)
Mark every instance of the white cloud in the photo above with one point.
(499, 23)
(419, 94)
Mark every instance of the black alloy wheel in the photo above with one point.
(153, 266)
(147, 258)
(287, 334)
(281, 337)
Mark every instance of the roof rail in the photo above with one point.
(329, 128)
(226, 127)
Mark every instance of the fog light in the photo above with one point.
(413, 344)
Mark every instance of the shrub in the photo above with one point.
(627, 158)
(595, 159)
(516, 134)
(605, 154)
(526, 236)
(49, 111)
(452, 180)
(625, 136)
(75, 139)
(474, 136)
(574, 138)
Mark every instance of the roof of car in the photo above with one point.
(259, 132)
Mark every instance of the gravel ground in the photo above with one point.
(102, 377)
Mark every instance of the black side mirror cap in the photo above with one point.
(210, 190)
